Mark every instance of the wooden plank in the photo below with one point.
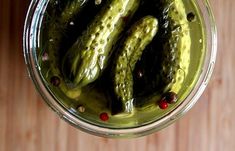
(27, 124)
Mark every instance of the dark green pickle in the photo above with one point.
(59, 19)
(160, 63)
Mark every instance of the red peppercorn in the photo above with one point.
(171, 97)
(55, 81)
(163, 104)
(104, 116)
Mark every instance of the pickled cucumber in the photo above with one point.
(139, 36)
(165, 64)
(175, 65)
(88, 57)
(57, 25)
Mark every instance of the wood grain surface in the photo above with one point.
(27, 124)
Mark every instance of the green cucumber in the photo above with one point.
(166, 63)
(139, 36)
(177, 50)
(87, 58)
(57, 25)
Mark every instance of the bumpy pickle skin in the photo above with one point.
(87, 58)
(138, 37)
(55, 36)
(166, 66)
(177, 51)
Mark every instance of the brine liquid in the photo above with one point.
(94, 99)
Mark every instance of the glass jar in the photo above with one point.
(143, 123)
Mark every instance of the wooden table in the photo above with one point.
(27, 124)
